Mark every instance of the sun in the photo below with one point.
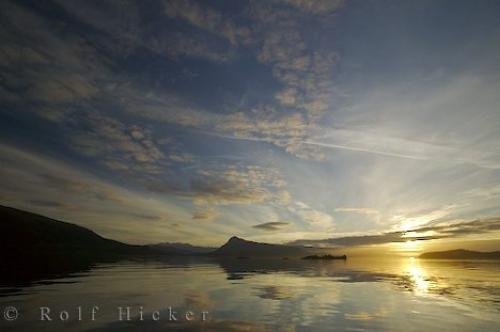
(410, 245)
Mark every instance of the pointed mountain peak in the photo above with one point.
(237, 246)
(236, 240)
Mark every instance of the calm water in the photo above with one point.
(249, 295)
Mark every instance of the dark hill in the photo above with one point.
(461, 254)
(237, 247)
(25, 233)
(32, 246)
(181, 248)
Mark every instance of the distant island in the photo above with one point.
(460, 254)
(325, 257)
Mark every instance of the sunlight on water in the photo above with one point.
(421, 280)
(417, 275)
(285, 295)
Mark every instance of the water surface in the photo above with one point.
(404, 294)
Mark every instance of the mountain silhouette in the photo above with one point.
(238, 247)
(33, 246)
(181, 248)
(26, 233)
(460, 254)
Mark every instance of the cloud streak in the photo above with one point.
(248, 114)
(433, 231)
(271, 226)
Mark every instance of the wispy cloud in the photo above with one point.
(272, 226)
(317, 7)
(315, 129)
(208, 19)
(58, 190)
(205, 213)
(236, 185)
(361, 210)
(433, 231)
(125, 146)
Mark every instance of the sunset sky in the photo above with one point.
(277, 121)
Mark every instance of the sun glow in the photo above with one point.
(411, 245)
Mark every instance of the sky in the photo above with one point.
(318, 122)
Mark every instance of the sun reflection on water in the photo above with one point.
(418, 279)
